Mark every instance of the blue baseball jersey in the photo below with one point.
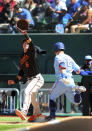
(65, 62)
(70, 65)
(25, 14)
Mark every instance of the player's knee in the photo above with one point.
(26, 92)
(52, 97)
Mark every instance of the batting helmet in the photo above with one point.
(59, 46)
(88, 57)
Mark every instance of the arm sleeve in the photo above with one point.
(21, 73)
(31, 50)
(75, 66)
(83, 73)
(89, 72)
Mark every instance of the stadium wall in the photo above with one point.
(77, 46)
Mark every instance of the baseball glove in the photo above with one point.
(22, 25)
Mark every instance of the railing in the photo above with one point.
(9, 100)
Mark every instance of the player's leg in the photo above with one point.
(39, 83)
(21, 113)
(82, 27)
(73, 97)
(28, 95)
(57, 90)
(35, 104)
(27, 100)
(36, 108)
(73, 93)
(73, 28)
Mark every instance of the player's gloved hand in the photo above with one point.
(11, 82)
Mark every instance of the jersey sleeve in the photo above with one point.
(60, 63)
(31, 50)
(75, 66)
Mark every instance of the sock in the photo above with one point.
(77, 97)
(52, 108)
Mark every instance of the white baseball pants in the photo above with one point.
(31, 90)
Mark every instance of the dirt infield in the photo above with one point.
(64, 124)
(74, 123)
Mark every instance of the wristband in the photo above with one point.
(63, 75)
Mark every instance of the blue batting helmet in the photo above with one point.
(59, 46)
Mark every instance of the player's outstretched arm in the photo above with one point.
(22, 26)
(12, 82)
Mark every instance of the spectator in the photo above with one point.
(87, 23)
(56, 8)
(22, 13)
(64, 19)
(40, 11)
(1, 5)
(5, 18)
(73, 7)
(81, 17)
(30, 5)
(6, 15)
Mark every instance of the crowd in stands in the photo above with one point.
(61, 16)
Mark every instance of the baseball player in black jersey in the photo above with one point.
(30, 69)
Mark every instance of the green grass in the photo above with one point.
(10, 127)
(12, 123)
(10, 119)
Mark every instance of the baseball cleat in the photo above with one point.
(49, 118)
(33, 117)
(20, 114)
(79, 88)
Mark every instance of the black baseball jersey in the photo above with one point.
(28, 63)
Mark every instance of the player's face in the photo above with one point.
(88, 63)
(25, 45)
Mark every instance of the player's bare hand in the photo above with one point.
(11, 82)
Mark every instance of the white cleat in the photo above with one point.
(20, 114)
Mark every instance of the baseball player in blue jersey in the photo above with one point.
(64, 65)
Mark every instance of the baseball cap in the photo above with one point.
(88, 57)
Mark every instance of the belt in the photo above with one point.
(31, 78)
